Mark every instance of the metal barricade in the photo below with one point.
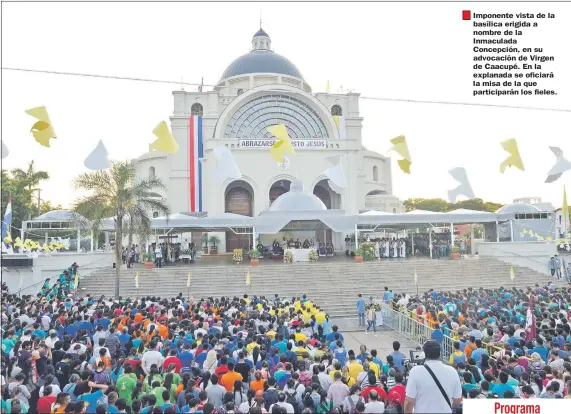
(414, 329)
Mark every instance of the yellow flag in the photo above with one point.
(514, 160)
(283, 145)
(137, 280)
(76, 281)
(327, 87)
(43, 129)
(18, 242)
(8, 239)
(188, 280)
(401, 147)
(512, 273)
(165, 141)
(248, 280)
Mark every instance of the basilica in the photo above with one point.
(257, 90)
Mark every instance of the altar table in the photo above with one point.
(299, 255)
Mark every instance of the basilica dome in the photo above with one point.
(261, 59)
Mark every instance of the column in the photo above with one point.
(78, 240)
(452, 234)
(430, 241)
(497, 232)
(356, 237)
(512, 230)
(46, 237)
(472, 240)
(412, 242)
(106, 241)
(91, 237)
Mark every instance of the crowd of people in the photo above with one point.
(64, 353)
(505, 343)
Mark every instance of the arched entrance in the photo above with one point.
(323, 192)
(278, 188)
(238, 199)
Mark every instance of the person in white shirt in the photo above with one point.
(51, 340)
(152, 356)
(423, 394)
(46, 320)
(78, 349)
(374, 406)
(282, 403)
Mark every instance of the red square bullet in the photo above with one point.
(466, 15)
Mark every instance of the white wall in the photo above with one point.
(534, 255)
(52, 266)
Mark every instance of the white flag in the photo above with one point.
(188, 280)
(137, 280)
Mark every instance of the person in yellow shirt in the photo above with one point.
(299, 336)
(354, 367)
(336, 368)
(373, 366)
(250, 347)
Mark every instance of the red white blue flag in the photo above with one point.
(196, 152)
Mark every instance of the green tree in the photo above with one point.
(30, 178)
(439, 205)
(21, 201)
(47, 206)
(429, 204)
(116, 192)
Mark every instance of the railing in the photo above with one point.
(418, 329)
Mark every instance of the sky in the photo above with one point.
(417, 51)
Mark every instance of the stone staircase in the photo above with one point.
(333, 286)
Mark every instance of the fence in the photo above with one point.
(418, 330)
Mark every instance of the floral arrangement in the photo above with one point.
(254, 254)
(359, 252)
(237, 257)
(313, 256)
(148, 257)
(288, 257)
(368, 249)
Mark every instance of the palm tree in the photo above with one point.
(116, 192)
(31, 178)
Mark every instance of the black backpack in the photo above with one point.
(291, 399)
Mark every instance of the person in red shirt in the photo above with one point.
(172, 359)
(373, 385)
(223, 368)
(45, 402)
(398, 392)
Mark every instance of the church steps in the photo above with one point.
(333, 286)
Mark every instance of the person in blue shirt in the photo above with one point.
(186, 356)
(93, 398)
(398, 356)
(340, 353)
(541, 350)
(361, 310)
(38, 331)
(331, 337)
(503, 386)
(124, 338)
(437, 334)
(375, 358)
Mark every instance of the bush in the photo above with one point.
(148, 257)
(254, 254)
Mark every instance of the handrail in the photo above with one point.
(412, 328)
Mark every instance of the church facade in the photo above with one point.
(257, 90)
